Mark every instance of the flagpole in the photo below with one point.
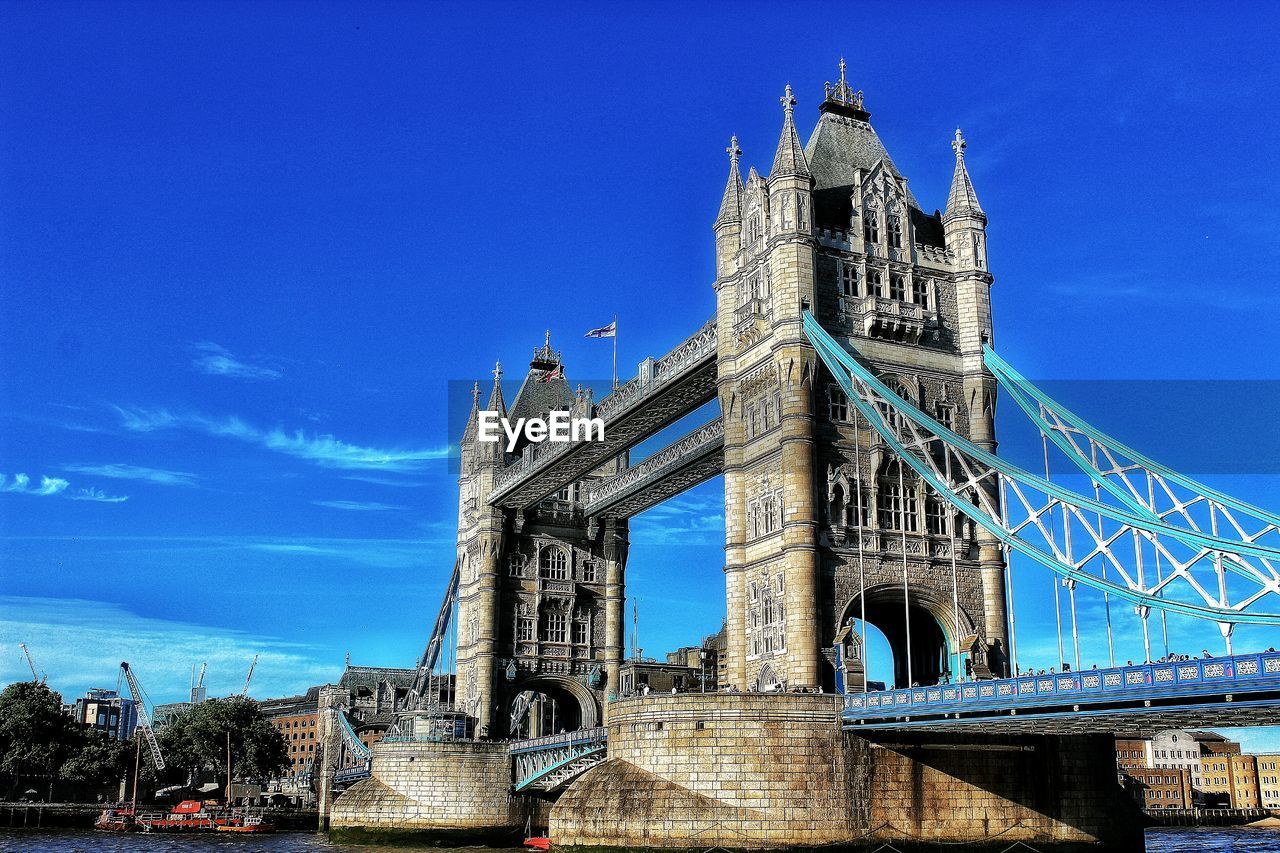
(615, 352)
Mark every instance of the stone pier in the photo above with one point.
(450, 792)
(744, 771)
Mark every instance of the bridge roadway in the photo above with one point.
(666, 390)
(1241, 690)
(686, 462)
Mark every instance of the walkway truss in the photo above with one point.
(1148, 535)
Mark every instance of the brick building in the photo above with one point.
(1230, 781)
(1159, 787)
(1269, 780)
(296, 718)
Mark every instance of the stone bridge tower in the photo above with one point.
(822, 526)
(540, 624)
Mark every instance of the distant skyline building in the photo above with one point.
(108, 712)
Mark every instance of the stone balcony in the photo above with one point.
(889, 318)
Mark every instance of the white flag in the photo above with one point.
(608, 331)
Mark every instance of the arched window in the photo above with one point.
(848, 279)
(553, 564)
(838, 506)
(935, 515)
(873, 283)
(898, 506)
(897, 287)
(871, 225)
(920, 291)
(894, 223)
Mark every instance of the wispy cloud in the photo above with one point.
(215, 360)
(387, 481)
(361, 506)
(325, 450)
(81, 643)
(96, 494)
(692, 518)
(135, 472)
(21, 485)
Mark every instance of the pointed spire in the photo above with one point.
(789, 159)
(962, 200)
(731, 203)
(496, 403)
(473, 419)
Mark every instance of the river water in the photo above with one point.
(86, 841)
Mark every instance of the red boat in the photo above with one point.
(116, 819)
(538, 843)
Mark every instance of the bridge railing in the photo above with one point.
(599, 734)
(655, 375)
(1177, 679)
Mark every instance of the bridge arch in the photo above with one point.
(933, 630)
(573, 706)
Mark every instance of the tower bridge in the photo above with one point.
(851, 361)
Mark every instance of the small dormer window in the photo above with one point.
(894, 223)
(871, 226)
(848, 279)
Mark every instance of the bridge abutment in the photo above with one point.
(775, 770)
(456, 792)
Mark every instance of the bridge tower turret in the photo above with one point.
(765, 371)
(965, 228)
(480, 544)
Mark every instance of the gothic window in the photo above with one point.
(749, 415)
(515, 565)
(873, 283)
(920, 291)
(860, 504)
(894, 224)
(553, 564)
(568, 493)
(837, 404)
(524, 629)
(871, 225)
(555, 627)
(897, 287)
(473, 627)
(838, 509)
(848, 279)
(581, 631)
(935, 515)
(588, 572)
(945, 415)
(898, 508)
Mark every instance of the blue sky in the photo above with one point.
(244, 249)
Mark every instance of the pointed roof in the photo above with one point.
(473, 419)
(789, 158)
(545, 388)
(731, 203)
(962, 200)
(496, 403)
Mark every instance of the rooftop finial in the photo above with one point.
(544, 357)
(788, 102)
(958, 145)
(497, 371)
(842, 93)
(734, 151)
(475, 395)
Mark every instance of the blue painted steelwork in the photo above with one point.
(845, 368)
(346, 775)
(1239, 676)
(548, 763)
(349, 737)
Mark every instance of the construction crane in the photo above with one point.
(244, 691)
(197, 688)
(144, 719)
(31, 664)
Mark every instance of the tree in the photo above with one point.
(197, 740)
(96, 762)
(35, 736)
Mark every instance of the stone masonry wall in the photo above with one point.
(775, 770)
(463, 786)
